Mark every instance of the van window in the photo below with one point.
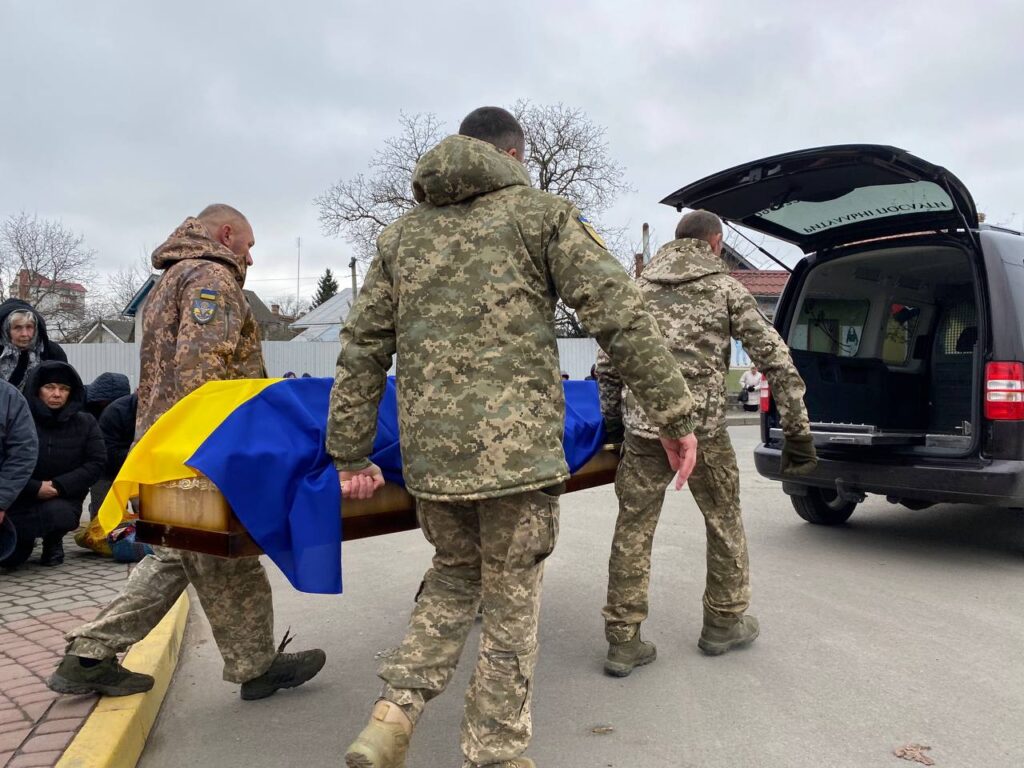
(900, 329)
(959, 330)
(835, 326)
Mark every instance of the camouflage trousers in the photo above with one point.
(235, 595)
(640, 484)
(488, 553)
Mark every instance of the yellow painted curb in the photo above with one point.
(116, 731)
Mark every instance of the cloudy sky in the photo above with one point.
(121, 118)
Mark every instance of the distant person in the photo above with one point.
(750, 383)
(699, 309)
(289, 375)
(307, 376)
(117, 425)
(18, 452)
(24, 342)
(565, 376)
(71, 457)
(592, 376)
(104, 390)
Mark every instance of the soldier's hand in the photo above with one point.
(362, 483)
(682, 456)
(798, 456)
(614, 431)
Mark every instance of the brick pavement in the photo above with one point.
(37, 605)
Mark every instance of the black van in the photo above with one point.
(905, 319)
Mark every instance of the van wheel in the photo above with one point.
(823, 507)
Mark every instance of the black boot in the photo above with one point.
(53, 551)
(288, 670)
(106, 677)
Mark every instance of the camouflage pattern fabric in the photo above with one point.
(699, 308)
(235, 595)
(197, 325)
(463, 289)
(640, 484)
(490, 553)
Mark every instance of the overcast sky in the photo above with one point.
(122, 118)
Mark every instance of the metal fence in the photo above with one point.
(315, 358)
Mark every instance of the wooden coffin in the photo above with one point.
(193, 515)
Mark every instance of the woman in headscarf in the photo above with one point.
(71, 457)
(24, 342)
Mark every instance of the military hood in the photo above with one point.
(191, 241)
(461, 168)
(53, 370)
(682, 261)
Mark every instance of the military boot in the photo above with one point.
(623, 658)
(384, 741)
(720, 635)
(106, 677)
(288, 670)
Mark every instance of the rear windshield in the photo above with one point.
(831, 325)
(806, 217)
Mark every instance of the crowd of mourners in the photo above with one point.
(62, 440)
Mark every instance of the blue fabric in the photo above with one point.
(268, 459)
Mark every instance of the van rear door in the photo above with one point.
(829, 196)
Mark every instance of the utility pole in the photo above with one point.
(298, 266)
(647, 243)
(352, 266)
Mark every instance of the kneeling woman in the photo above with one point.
(71, 457)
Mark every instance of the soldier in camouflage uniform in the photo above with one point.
(197, 327)
(699, 308)
(463, 290)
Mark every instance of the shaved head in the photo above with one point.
(213, 216)
(700, 225)
(229, 227)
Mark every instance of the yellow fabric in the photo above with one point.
(161, 454)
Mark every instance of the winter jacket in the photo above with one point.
(464, 289)
(44, 349)
(71, 449)
(196, 326)
(118, 427)
(106, 388)
(19, 445)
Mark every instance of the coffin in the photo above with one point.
(192, 514)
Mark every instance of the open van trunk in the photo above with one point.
(887, 341)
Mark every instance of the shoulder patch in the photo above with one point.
(589, 228)
(204, 307)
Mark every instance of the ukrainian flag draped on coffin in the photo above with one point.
(261, 442)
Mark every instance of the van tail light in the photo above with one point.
(1004, 391)
(766, 396)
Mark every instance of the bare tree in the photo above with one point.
(360, 207)
(48, 265)
(289, 305)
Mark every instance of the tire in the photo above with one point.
(823, 507)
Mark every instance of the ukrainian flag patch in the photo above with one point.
(591, 231)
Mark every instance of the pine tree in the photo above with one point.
(325, 288)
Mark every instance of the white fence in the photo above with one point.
(314, 358)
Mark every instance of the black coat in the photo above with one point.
(71, 448)
(118, 427)
(48, 350)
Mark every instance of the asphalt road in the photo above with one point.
(901, 627)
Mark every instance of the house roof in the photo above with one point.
(762, 282)
(331, 313)
(34, 278)
(122, 329)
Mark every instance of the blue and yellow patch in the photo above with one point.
(591, 231)
(204, 308)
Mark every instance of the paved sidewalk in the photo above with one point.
(37, 606)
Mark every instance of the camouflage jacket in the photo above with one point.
(196, 324)
(463, 289)
(699, 307)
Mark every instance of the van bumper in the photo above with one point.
(993, 482)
